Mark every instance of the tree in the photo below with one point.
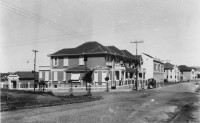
(71, 88)
(42, 83)
(107, 78)
(87, 77)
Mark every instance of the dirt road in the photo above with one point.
(175, 103)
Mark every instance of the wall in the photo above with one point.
(173, 75)
(148, 65)
(96, 61)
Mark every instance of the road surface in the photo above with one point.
(175, 103)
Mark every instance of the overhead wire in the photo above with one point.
(38, 17)
(22, 12)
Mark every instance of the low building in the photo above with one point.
(22, 79)
(172, 73)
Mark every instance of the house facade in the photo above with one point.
(187, 73)
(148, 66)
(158, 73)
(104, 61)
(22, 80)
(154, 69)
(172, 73)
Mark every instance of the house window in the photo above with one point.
(64, 76)
(55, 61)
(65, 61)
(46, 75)
(81, 60)
(40, 74)
(55, 76)
(154, 66)
(170, 76)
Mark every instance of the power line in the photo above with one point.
(136, 83)
(41, 20)
(36, 17)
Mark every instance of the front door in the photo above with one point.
(14, 84)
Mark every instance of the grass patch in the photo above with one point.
(20, 99)
(28, 92)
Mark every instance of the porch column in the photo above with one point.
(124, 77)
(120, 77)
(29, 85)
(58, 84)
(19, 85)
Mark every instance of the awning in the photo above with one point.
(78, 69)
(75, 76)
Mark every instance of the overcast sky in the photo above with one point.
(169, 28)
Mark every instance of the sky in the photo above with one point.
(169, 28)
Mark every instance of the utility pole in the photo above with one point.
(136, 82)
(35, 51)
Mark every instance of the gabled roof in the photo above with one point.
(196, 68)
(129, 55)
(148, 55)
(115, 50)
(168, 66)
(184, 68)
(26, 75)
(86, 48)
(90, 48)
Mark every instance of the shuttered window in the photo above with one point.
(66, 61)
(55, 76)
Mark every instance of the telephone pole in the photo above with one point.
(136, 81)
(35, 51)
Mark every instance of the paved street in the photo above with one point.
(173, 103)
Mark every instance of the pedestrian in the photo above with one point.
(196, 87)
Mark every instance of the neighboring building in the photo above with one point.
(154, 68)
(172, 73)
(158, 73)
(187, 73)
(148, 66)
(22, 79)
(197, 73)
(45, 74)
(72, 63)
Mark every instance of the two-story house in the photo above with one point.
(72, 63)
(187, 73)
(153, 69)
(172, 73)
(158, 73)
